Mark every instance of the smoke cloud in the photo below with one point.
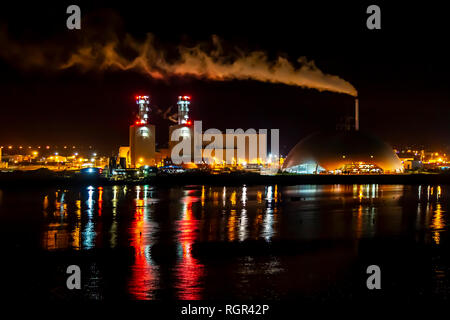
(196, 61)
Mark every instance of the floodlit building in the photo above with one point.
(238, 148)
(411, 163)
(142, 145)
(142, 137)
(342, 152)
(182, 131)
(248, 148)
(2, 164)
(348, 150)
(124, 157)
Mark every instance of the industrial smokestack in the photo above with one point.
(183, 109)
(356, 114)
(143, 109)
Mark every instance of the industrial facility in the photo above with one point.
(142, 148)
(142, 136)
(344, 151)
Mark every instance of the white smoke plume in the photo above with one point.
(190, 62)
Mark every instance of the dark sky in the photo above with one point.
(401, 71)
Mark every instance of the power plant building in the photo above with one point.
(142, 137)
(345, 151)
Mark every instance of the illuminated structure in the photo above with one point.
(184, 124)
(183, 109)
(342, 152)
(142, 136)
(2, 164)
(143, 109)
(238, 155)
(124, 157)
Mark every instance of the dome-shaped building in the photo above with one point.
(342, 152)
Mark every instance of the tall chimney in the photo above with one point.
(356, 114)
(183, 109)
(143, 109)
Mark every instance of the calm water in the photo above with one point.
(143, 242)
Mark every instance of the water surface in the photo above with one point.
(212, 242)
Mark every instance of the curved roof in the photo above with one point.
(332, 150)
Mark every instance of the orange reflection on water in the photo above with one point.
(203, 196)
(56, 235)
(76, 232)
(216, 199)
(259, 196)
(257, 222)
(45, 203)
(189, 271)
(232, 225)
(233, 198)
(276, 193)
(437, 224)
(360, 196)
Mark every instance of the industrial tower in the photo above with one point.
(183, 109)
(142, 136)
(143, 109)
(184, 125)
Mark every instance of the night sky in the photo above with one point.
(401, 71)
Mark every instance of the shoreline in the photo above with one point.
(21, 180)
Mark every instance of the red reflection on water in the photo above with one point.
(189, 271)
(142, 284)
(100, 201)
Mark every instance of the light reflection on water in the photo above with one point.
(188, 270)
(144, 272)
(144, 218)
